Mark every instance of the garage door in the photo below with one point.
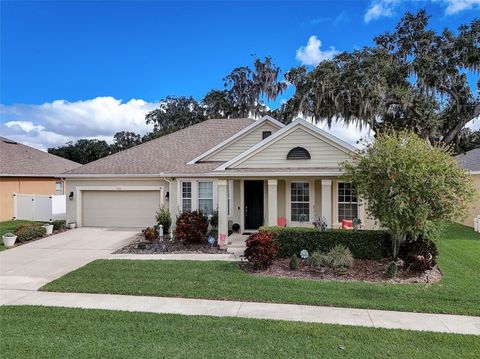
(119, 208)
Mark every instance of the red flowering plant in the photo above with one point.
(262, 248)
(150, 234)
(191, 227)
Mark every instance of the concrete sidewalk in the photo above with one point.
(304, 313)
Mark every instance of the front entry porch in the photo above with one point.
(255, 202)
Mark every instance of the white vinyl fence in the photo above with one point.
(35, 207)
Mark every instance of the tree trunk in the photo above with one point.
(397, 240)
(450, 136)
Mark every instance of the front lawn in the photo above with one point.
(10, 226)
(457, 293)
(41, 332)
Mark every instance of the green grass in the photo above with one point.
(457, 293)
(10, 226)
(40, 332)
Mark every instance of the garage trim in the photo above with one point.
(80, 189)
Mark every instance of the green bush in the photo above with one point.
(163, 218)
(293, 262)
(364, 244)
(28, 232)
(319, 259)
(59, 225)
(391, 270)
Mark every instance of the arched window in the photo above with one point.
(298, 153)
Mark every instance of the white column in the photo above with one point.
(272, 202)
(327, 201)
(222, 213)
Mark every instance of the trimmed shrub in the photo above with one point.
(262, 248)
(163, 218)
(28, 232)
(192, 227)
(59, 225)
(391, 270)
(419, 255)
(150, 233)
(364, 244)
(293, 262)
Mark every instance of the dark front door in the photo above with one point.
(253, 192)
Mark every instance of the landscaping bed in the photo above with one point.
(142, 246)
(364, 270)
(28, 231)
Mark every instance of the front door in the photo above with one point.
(253, 192)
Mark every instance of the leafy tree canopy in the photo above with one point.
(413, 78)
(82, 151)
(408, 184)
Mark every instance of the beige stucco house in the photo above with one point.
(470, 161)
(26, 170)
(255, 172)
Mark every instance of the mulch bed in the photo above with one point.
(142, 246)
(362, 270)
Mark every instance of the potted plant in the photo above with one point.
(48, 228)
(9, 240)
(72, 225)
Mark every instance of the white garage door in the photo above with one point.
(119, 208)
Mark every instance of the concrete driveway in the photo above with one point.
(30, 266)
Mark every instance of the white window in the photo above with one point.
(347, 202)
(186, 196)
(205, 197)
(300, 202)
(58, 187)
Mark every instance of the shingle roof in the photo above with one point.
(470, 160)
(170, 153)
(19, 159)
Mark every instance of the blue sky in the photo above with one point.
(87, 69)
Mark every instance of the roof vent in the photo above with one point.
(298, 153)
(10, 142)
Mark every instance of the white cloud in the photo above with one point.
(380, 8)
(456, 6)
(312, 54)
(54, 123)
(386, 8)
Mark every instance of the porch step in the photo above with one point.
(237, 251)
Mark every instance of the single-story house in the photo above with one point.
(254, 172)
(470, 161)
(26, 170)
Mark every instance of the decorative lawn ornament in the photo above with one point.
(304, 254)
(160, 232)
(211, 240)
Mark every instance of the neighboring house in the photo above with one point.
(470, 161)
(24, 169)
(254, 172)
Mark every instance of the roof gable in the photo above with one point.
(240, 141)
(326, 150)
